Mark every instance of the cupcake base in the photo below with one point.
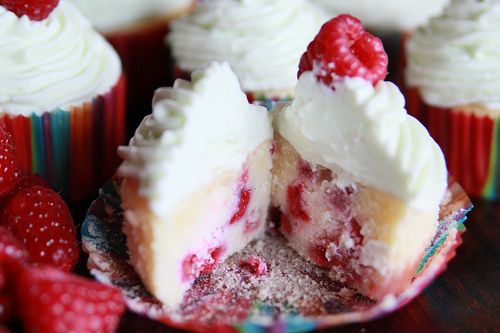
(75, 150)
(469, 139)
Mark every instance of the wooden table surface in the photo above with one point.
(465, 298)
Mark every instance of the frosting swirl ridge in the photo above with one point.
(261, 39)
(455, 59)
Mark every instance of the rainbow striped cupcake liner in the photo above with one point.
(75, 150)
(229, 306)
(470, 143)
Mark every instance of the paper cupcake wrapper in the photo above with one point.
(147, 65)
(260, 99)
(470, 144)
(322, 302)
(74, 150)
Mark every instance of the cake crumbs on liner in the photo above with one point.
(290, 286)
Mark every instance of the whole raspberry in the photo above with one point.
(40, 218)
(342, 49)
(25, 180)
(11, 249)
(9, 169)
(52, 301)
(36, 10)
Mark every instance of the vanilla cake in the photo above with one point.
(197, 180)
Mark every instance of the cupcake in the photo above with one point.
(62, 95)
(196, 181)
(453, 81)
(261, 39)
(357, 180)
(386, 15)
(136, 29)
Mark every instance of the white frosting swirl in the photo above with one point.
(196, 131)
(55, 63)
(455, 59)
(261, 39)
(110, 15)
(366, 132)
(387, 14)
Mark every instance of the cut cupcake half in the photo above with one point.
(197, 179)
(357, 180)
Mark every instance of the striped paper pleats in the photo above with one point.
(75, 149)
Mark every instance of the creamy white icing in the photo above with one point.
(109, 15)
(455, 59)
(55, 63)
(387, 14)
(197, 131)
(261, 39)
(366, 132)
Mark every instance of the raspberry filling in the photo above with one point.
(244, 195)
(193, 265)
(339, 248)
(296, 202)
(255, 265)
(320, 211)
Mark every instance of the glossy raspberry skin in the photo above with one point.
(52, 301)
(11, 249)
(9, 168)
(36, 10)
(25, 180)
(342, 49)
(40, 218)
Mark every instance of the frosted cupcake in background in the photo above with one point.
(62, 96)
(391, 20)
(136, 29)
(261, 39)
(453, 73)
(386, 15)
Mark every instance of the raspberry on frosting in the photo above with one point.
(343, 48)
(36, 10)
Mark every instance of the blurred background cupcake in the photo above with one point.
(261, 39)
(136, 28)
(388, 19)
(453, 73)
(62, 96)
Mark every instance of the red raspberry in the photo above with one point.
(9, 169)
(343, 48)
(7, 311)
(37, 10)
(255, 265)
(41, 219)
(25, 180)
(11, 249)
(52, 301)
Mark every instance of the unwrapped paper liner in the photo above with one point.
(75, 149)
(219, 308)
